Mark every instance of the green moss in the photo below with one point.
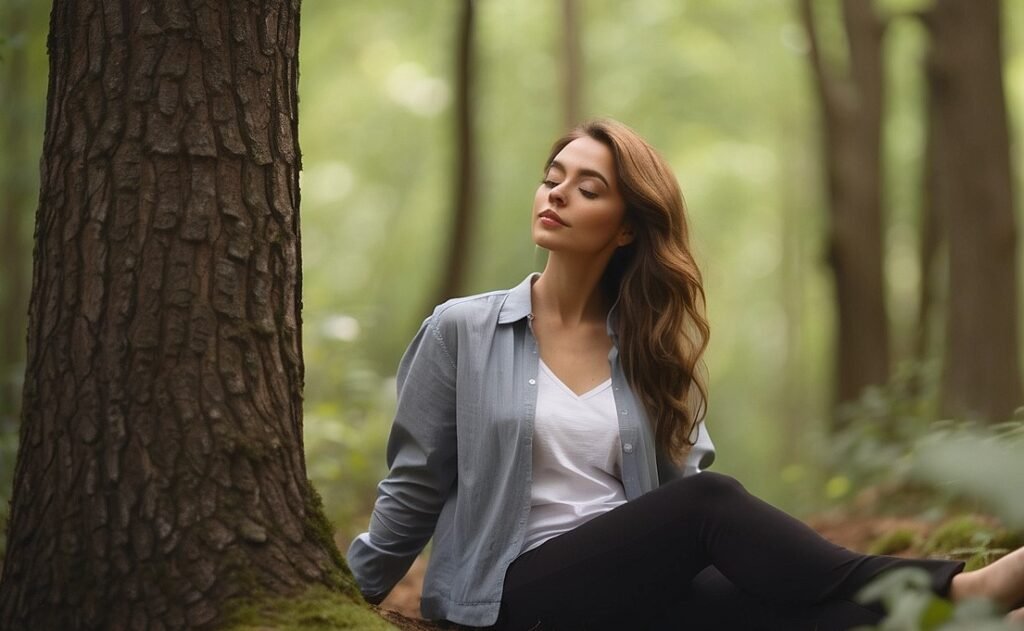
(970, 535)
(320, 530)
(1006, 539)
(896, 541)
(314, 609)
(982, 558)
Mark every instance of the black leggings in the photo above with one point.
(697, 553)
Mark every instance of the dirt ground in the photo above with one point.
(405, 598)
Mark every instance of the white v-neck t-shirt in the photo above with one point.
(577, 461)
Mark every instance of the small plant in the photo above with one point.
(880, 428)
(990, 467)
(893, 542)
(968, 532)
(911, 606)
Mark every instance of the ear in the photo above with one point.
(626, 235)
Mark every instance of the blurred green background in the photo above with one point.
(723, 89)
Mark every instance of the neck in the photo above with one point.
(568, 292)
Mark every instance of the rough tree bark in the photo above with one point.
(981, 374)
(160, 471)
(464, 175)
(852, 116)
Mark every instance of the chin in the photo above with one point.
(545, 242)
(538, 237)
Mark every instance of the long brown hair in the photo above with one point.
(657, 288)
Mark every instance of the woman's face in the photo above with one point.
(578, 208)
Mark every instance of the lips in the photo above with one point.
(553, 216)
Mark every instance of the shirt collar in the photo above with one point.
(519, 304)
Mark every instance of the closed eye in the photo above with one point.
(588, 194)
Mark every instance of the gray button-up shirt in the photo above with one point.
(460, 456)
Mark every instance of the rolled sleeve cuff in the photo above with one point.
(375, 569)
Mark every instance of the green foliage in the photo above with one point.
(908, 600)
(986, 463)
(892, 435)
(959, 459)
(880, 429)
(345, 460)
(911, 606)
(970, 534)
(376, 113)
(892, 542)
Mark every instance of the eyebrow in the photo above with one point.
(583, 172)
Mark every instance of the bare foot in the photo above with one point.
(1016, 617)
(1001, 581)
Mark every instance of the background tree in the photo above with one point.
(464, 174)
(932, 236)
(972, 190)
(572, 63)
(160, 471)
(851, 105)
(726, 96)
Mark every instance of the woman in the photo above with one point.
(537, 428)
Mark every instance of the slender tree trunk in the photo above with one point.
(794, 396)
(932, 237)
(16, 196)
(464, 176)
(160, 470)
(572, 63)
(981, 375)
(852, 115)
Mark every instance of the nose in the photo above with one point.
(556, 195)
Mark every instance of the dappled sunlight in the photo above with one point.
(409, 86)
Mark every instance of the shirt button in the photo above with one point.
(533, 382)
(625, 412)
(628, 448)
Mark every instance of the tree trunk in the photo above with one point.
(932, 235)
(571, 63)
(852, 116)
(160, 470)
(464, 176)
(981, 374)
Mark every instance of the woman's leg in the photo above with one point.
(714, 602)
(619, 569)
(1001, 581)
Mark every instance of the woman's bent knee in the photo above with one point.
(707, 486)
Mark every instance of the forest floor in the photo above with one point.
(862, 525)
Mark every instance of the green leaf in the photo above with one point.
(936, 613)
(890, 587)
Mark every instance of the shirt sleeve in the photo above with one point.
(421, 456)
(701, 455)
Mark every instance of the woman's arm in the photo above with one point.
(421, 455)
(701, 455)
